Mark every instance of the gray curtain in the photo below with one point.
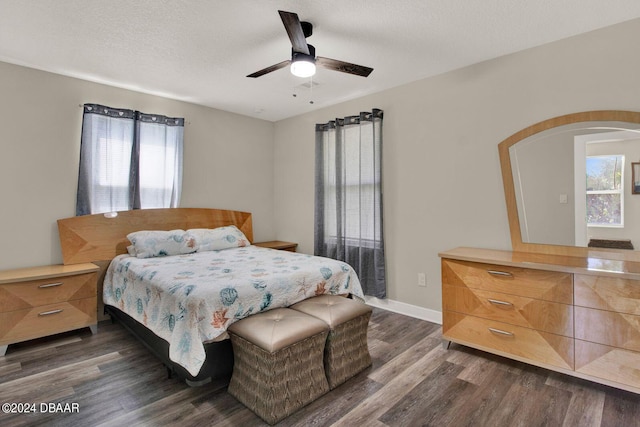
(348, 206)
(128, 160)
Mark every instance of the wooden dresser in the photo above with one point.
(576, 315)
(40, 301)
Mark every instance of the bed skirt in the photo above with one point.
(218, 364)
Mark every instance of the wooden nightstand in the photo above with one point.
(277, 244)
(40, 301)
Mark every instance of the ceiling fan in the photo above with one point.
(303, 56)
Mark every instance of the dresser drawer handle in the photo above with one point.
(500, 303)
(50, 285)
(501, 332)
(499, 273)
(48, 313)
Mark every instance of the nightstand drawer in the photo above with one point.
(538, 284)
(527, 312)
(22, 325)
(34, 293)
(508, 339)
(608, 293)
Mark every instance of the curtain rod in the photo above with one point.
(185, 120)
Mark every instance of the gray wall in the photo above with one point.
(228, 158)
(542, 171)
(442, 180)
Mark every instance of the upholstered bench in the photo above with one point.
(346, 353)
(278, 362)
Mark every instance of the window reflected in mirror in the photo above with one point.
(569, 182)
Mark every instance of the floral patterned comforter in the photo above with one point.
(191, 299)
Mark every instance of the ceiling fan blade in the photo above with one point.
(294, 30)
(344, 67)
(270, 69)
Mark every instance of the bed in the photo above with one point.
(179, 306)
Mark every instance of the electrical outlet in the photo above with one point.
(422, 279)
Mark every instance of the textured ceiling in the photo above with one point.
(201, 51)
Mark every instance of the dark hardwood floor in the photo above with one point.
(115, 381)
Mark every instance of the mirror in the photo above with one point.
(568, 185)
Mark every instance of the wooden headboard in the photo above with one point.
(94, 238)
(99, 238)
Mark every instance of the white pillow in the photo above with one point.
(216, 239)
(156, 243)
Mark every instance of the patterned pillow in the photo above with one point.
(158, 243)
(208, 239)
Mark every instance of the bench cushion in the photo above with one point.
(276, 329)
(332, 309)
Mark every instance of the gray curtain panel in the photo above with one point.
(128, 160)
(348, 205)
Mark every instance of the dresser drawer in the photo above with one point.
(538, 284)
(608, 293)
(531, 313)
(606, 327)
(22, 325)
(609, 363)
(526, 343)
(34, 293)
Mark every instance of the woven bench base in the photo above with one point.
(346, 353)
(275, 385)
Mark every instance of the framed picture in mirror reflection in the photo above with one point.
(635, 178)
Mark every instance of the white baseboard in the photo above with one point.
(406, 309)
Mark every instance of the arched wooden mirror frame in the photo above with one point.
(510, 196)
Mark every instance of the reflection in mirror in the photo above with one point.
(560, 200)
(568, 183)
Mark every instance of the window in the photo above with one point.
(128, 160)
(357, 189)
(605, 189)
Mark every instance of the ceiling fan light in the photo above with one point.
(303, 68)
